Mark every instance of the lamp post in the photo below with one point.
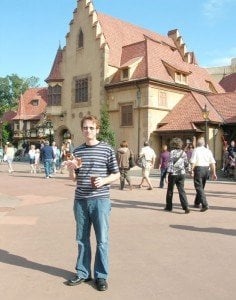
(138, 100)
(49, 128)
(205, 115)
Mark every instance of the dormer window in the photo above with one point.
(211, 86)
(180, 78)
(81, 39)
(178, 73)
(35, 102)
(125, 73)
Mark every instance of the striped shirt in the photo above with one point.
(98, 159)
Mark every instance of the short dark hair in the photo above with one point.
(176, 143)
(146, 143)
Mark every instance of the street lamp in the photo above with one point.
(205, 115)
(49, 130)
(138, 100)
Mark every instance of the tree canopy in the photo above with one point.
(11, 87)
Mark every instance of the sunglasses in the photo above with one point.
(89, 128)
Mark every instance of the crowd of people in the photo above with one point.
(229, 158)
(94, 165)
(51, 157)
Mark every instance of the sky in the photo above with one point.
(31, 30)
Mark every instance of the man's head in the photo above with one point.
(90, 128)
(91, 118)
(200, 141)
(146, 143)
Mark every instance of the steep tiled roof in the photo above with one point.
(8, 116)
(127, 41)
(229, 83)
(119, 34)
(55, 74)
(26, 110)
(182, 118)
(225, 104)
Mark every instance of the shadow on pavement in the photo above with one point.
(207, 229)
(12, 259)
(136, 204)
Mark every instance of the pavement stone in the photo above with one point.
(153, 254)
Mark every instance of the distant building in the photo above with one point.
(220, 72)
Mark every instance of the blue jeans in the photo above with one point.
(96, 212)
(162, 177)
(47, 166)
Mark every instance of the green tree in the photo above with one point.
(11, 87)
(105, 133)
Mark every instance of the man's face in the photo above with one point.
(89, 130)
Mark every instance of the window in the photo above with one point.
(126, 115)
(125, 73)
(180, 78)
(54, 95)
(211, 86)
(162, 99)
(35, 102)
(81, 90)
(177, 77)
(81, 39)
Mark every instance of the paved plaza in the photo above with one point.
(153, 254)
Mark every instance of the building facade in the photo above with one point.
(139, 74)
(153, 87)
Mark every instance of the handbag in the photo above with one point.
(131, 161)
(141, 162)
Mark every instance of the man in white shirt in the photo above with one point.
(148, 153)
(201, 159)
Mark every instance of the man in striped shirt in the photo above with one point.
(93, 159)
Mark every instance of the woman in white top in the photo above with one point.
(32, 159)
(10, 153)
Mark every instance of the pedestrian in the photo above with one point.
(202, 158)
(37, 160)
(164, 158)
(32, 159)
(94, 167)
(9, 154)
(124, 154)
(47, 158)
(176, 175)
(149, 157)
(54, 162)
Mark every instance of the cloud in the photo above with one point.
(215, 9)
